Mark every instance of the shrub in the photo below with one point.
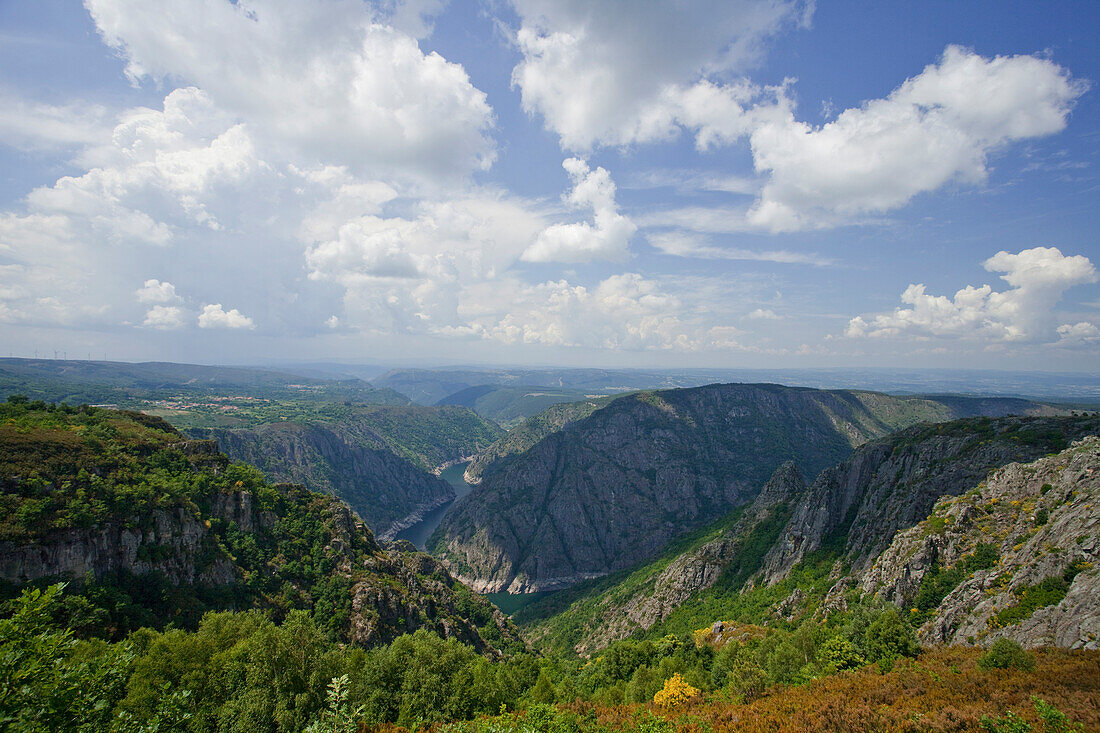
(1006, 653)
(839, 654)
(675, 692)
(1054, 720)
(889, 637)
(1010, 722)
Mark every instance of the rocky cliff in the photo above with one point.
(892, 483)
(127, 511)
(388, 492)
(612, 489)
(1015, 556)
(648, 595)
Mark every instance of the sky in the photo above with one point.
(730, 183)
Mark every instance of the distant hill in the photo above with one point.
(581, 496)
(509, 406)
(132, 385)
(428, 386)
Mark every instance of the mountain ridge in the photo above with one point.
(590, 488)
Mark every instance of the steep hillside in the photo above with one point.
(610, 489)
(378, 459)
(152, 528)
(893, 483)
(877, 415)
(791, 548)
(388, 492)
(1016, 556)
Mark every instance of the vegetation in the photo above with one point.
(243, 672)
(274, 649)
(1005, 654)
(942, 690)
(214, 535)
(938, 582)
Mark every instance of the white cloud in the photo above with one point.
(1078, 334)
(161, 178)
(684, 244)
(624, 311)
(30, 125)
(327, 78)
(623, 72)
(213, 316)
(937, 127)
(155, 291)
(1022, 313)
(607, 239)
(165, 317)
(763, 314)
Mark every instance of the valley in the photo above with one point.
(419, 533)
(757, 542)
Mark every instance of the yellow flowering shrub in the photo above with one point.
(675, 692)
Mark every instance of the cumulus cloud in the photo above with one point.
(213, 316)
(606, 239)
(164, 317)
(937, 127)
(155, 291)
(331, 79)
(1022, 313)
(626, 311)
(621, 72)
(80, 242)
(763, 314)
(1078, 334)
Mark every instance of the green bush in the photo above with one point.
(1006, 653)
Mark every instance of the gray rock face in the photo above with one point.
(174, 542)
(1044, 519)
(614, 488)
(891, 484)
(387, 491)
(658, 596)
(611, 489)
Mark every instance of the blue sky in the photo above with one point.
(735, 183)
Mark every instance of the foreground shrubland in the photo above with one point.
(243, 672)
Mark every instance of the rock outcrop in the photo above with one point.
(892, 483)
(1038, 527)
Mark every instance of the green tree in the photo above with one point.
(48, 680)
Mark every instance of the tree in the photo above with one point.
(48, 680)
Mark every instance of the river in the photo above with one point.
(419, 533)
